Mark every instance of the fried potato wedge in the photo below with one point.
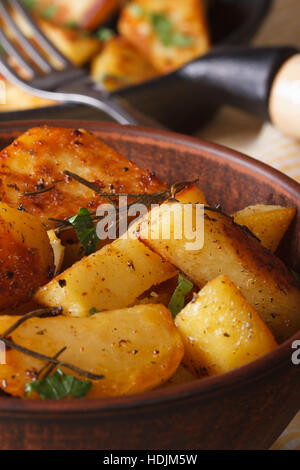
(26, 256)
(120, 64)
(113, 277)
(168, 32)
(231, 250)
(268, 223)
(135, 349)
(221, 331)
(39, 158)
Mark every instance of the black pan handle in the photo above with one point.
(240, 76)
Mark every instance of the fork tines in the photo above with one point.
(16, 45)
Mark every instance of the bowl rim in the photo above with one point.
(202, 388)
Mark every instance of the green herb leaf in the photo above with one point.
(165, 31)
(71, 24)
(29, 4)
(85, 230)
(136, 10)
(49, 12)
(59, 386)
(105, 34)
(177, 301)
(93, 311)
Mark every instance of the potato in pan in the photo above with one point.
(168, 32)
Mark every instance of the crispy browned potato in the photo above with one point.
(38, 159)
(120, 65)
(230, 249)
(268, 223)
(135, 349)
(221, 331)
(26, 256)
(144, 24)
(86, 14)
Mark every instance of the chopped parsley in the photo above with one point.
(164, 30)
(105, 34)
(58, 386)
(177, 301)
(29, 4)
(49, 12)
(85, 230)
(163, 27)
(71, 24)
(93, 311)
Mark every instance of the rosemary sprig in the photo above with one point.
(48, 368)
(40, 191)
(147, 199)
(89, 185)
(41, 313)
(42, 357)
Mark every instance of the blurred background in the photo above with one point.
(250, 135)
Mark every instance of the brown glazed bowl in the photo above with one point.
(247, 408)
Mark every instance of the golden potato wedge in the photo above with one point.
(120, 65)
(113, 277)
(168, 32)
(221, 331)
(26, 256)
(268, 223)
(41, 155)
(231, 250)
(135, 349)
(58, 251)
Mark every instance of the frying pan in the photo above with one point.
(232, 22)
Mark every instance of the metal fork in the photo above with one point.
(64, 83)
